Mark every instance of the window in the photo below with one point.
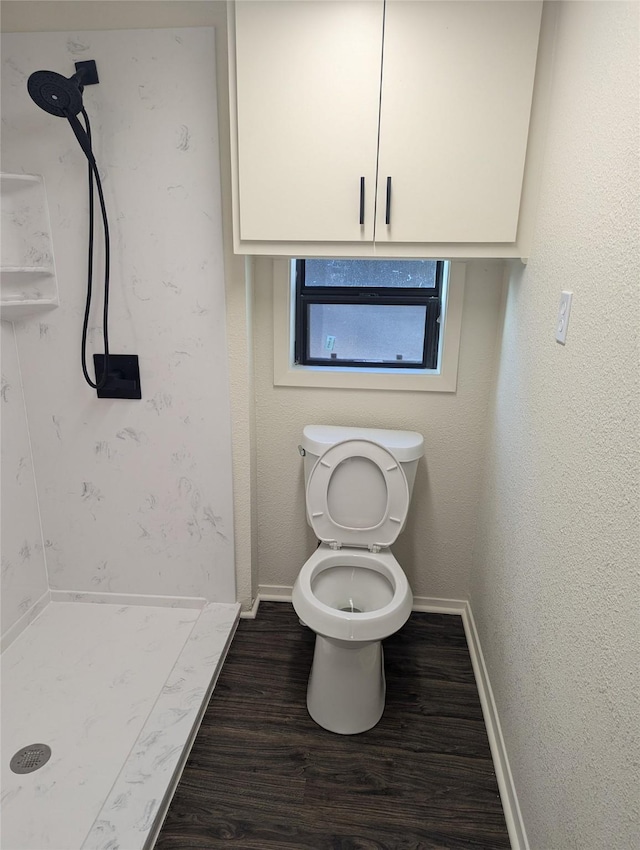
(369, 361)
(364, 313)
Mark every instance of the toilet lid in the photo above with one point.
(387, 527)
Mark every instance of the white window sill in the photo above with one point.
(287, 374)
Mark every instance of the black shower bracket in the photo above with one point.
(123, 380)
(87, 73)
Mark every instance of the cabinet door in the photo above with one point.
(457, 85)
(308, 81)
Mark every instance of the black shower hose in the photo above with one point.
(84, 138)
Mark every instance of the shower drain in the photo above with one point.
(30, 758)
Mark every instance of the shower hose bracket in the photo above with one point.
(87, 72)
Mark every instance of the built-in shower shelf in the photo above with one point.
(27, 271)
(19, 181)
(27, 290)
(18, 272)
(11, 311)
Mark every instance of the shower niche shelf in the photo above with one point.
(27, 270)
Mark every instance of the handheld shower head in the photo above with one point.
(56, 94)
(62, 97)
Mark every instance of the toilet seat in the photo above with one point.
(346, 625)
(378, 536)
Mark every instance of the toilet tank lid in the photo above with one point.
(404, 445)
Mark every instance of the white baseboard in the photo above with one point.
(461, 608)
(250, 614)
(282, 593)
(274, 593)
(508, 795)
(433, 605)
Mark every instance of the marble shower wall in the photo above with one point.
(135, 496)
(24, 577)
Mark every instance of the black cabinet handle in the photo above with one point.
(387, 216)
(362, 200)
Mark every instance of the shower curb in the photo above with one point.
(164, 742)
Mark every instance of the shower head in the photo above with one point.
(60, 95)
(56, 94)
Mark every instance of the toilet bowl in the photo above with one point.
(352, 595)
(352, 601)
(352, 592)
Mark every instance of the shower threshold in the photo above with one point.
(117, 691)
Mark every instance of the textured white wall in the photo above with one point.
(555, 588)
(136, 496)
(24, 576)
(436, 545)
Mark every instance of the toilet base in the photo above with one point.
(346, 689)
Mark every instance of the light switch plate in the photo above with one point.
(563, 316)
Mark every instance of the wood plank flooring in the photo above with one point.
(263, 776)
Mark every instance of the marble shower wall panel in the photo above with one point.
(24, 576)
(136, 496)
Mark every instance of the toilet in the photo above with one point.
(352, 592)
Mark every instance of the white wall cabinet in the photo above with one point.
(331, 98)
(457, 85)
(308, 84)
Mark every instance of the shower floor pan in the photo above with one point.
(117, 692)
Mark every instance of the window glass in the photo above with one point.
(368, 333)
(363, 313)
(367, 273)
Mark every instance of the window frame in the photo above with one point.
(286, 373)
(405, 296)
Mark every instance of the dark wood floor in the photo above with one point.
(263, 776)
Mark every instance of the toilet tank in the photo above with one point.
(406, 446)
